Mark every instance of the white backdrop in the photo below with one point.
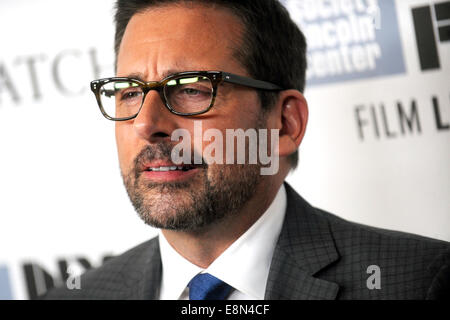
(61, 196)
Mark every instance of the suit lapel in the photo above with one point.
(152, 279)
(304, 248)
(141, 279)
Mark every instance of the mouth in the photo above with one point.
(170, 168)
(169, 172)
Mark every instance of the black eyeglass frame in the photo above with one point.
(216, 77)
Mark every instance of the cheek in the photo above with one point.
(124, 145)
(241, 113)
(244, 112)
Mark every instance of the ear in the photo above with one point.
(293, 121)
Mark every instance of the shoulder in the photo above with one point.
(411, 266)
(350, 236)
(347, 232)
(117, 278)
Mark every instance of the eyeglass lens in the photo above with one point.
(186, 94)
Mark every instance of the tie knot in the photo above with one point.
(207, 287)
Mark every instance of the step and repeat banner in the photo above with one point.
(377, 148)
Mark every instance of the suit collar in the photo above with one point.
(305, 247)
(152, 276)
(140, 277)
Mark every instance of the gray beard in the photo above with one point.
(217, 192)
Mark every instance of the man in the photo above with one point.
(226, 230)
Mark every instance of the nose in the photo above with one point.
(154, 122)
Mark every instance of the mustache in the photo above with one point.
(160, 151)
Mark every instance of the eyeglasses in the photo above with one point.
(186, 93)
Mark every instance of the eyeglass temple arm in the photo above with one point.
(248, 82)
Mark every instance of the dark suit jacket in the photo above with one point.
(318, 256)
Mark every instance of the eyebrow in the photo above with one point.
(140, 76)
(136, 75)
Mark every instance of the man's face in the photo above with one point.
(166, 40)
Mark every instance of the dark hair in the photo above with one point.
(273, 48)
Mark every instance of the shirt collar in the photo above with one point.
(176, 271)
(244, 265)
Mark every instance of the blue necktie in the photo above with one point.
(207, 287)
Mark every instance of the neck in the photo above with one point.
(202, 247)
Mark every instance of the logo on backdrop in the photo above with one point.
(349, 40)
(39, 279)
(5, 284)
(407, 117)
(36, 77)
(432, 26)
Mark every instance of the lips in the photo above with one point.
(166, 171)
(170, 168)
(166, 166)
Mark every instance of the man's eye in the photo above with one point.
(191, 91)
(130, 95)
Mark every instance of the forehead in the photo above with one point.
(179, 37)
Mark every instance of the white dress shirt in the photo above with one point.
(244, 265)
